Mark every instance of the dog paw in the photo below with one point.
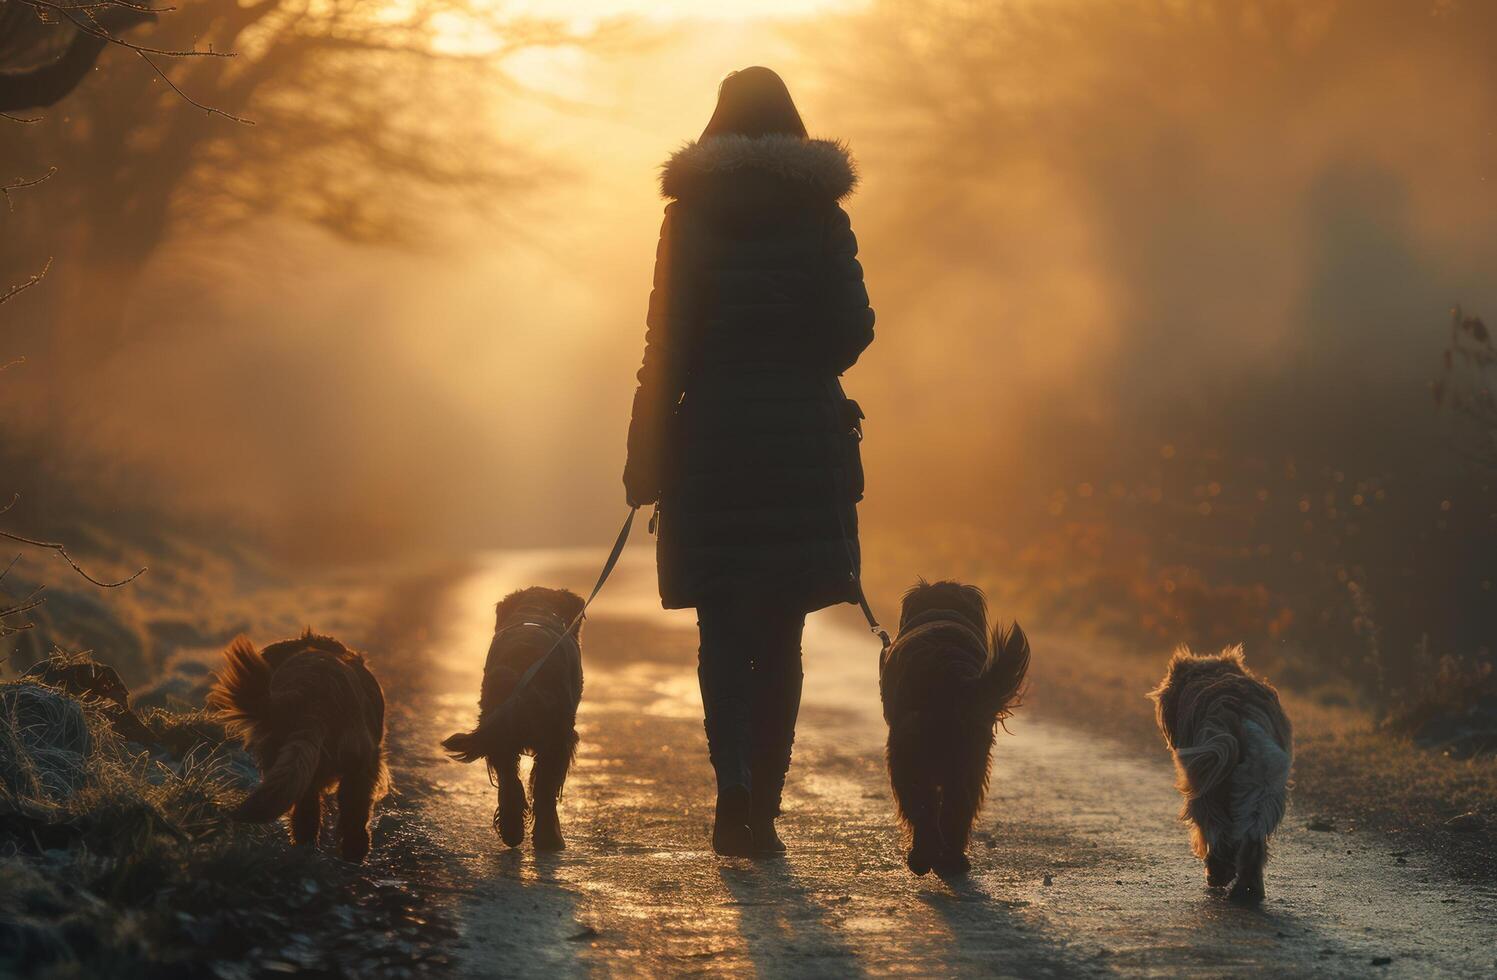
(952, 864)
(1244, 894)
(509, 824)
(1219, 875)
(355, 850)
(547, 833)
(918, 862)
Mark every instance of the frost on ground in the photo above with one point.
(120, 859)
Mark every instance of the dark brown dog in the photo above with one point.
(945, 684)
(314, 716)
(1232, 746)
(525, 711)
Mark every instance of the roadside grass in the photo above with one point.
(121, 859)
(1097, 653)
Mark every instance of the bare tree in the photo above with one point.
(41, 60)
(353, 116)
(360, 118)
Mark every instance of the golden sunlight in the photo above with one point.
(344, 346)
(592, 11)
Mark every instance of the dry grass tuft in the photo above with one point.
(45, 746)
(122, 859)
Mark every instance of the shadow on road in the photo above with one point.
(984, 929)
(786, 929)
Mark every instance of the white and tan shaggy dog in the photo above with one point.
(1233, 747)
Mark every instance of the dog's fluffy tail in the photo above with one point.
(1206, 763)
(242, 692)
(288, 780)
(477, 744)
(1001, 686)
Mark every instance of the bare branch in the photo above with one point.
(10, 294)
(187, 98)
(62, 551)
(100, 33)
(20, 183)
(25, 605)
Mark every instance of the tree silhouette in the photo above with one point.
(47, 49)
(356, 117)
(41, 62)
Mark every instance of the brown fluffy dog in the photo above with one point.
(313, 716)
(1232, 746)
(537, 716)
(945, 683)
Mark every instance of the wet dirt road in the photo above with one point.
(1080, 868)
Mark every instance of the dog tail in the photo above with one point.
(241, 694)
(480, 743)
(1001, 686)
(287, 781)
(467, 746)
(1205, 764)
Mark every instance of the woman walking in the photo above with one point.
(740, 429)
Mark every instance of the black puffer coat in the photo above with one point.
(740, 427)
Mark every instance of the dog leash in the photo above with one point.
(853, 575)
(533, 669)
(873, 626)
(857, 586)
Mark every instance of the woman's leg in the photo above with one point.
(723, 668)
(776, 693)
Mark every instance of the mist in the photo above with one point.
(1148, 277)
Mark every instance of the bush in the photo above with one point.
(1451, 705)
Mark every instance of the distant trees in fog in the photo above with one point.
(1216, 227)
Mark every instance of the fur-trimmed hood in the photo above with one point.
(814, 167)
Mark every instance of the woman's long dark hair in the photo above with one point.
(754, 102)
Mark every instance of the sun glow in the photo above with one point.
(593, 11)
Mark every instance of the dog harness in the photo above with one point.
(533, 669)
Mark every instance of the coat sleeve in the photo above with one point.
(659, 377)
(849, 323)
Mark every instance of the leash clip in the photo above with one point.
(654, 524)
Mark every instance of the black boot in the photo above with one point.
(766, 841)
(764, 807)
(778, 705)
(731, 836)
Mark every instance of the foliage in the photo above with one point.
(121, 859)
(1466, 384)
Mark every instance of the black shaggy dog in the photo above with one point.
(529, 704)
(314, 717)
(1233, 747)
(945, 683)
